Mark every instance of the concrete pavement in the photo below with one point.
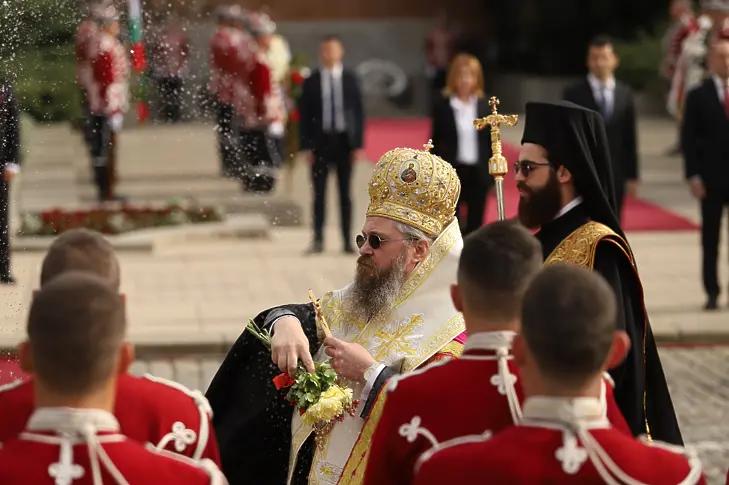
(204, 291)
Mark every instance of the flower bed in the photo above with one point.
(117, 220)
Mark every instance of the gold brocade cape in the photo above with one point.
(422, 322)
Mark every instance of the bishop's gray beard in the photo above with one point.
(374, 291)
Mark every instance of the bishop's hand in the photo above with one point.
(289, 344)
(348, 359)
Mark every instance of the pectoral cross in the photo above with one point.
(498, 166)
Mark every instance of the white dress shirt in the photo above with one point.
(331, 79)
(464, 113)
(604, 92)
(720, 87)
(569, 206)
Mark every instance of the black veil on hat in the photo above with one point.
(575, 137)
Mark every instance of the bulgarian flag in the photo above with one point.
(139, 61)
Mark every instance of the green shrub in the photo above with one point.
(45, 81)
(639, 61)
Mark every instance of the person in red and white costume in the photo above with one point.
(108, 99)
(261, 109)
(76, 352)
(568, 340)
(170, 59)
(481, 391)
(149, 409)
(226, 45)
(85, 33)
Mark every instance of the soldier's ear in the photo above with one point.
(456, 297)
(126, 357)
(619, 350)
(25, 357)
(519, 350)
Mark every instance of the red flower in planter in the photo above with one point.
(295, 116)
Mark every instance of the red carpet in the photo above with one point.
(638, 215)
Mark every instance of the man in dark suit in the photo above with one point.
(9, 165)
(601, 92)
(705, 146)
(331, 131)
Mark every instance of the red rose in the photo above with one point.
(297, 78)
(283, 381)
(295, 116)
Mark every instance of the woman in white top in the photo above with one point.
(458, 142)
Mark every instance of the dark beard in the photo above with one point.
(540, 206)
(374, 291)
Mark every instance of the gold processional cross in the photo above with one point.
(498, 166)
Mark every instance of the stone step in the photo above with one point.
(156, 239)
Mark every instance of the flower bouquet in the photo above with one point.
(321, 402)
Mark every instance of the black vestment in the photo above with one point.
(252, 420)
(575, 138)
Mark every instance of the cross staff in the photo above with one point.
(497, 163)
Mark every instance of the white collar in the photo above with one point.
(580, 412)
(489, 341)
(569, 206)
(71, 420)
(335, 71)
(458, 103)
(720, 84)
(599, 85)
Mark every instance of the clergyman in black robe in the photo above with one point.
(566, 191)
(398, 309)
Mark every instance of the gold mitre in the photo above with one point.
(415, 187)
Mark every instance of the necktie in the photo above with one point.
(726, 99)
(604, 104)
(332, 103)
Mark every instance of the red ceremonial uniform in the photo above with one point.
(66, 446)
(684, 27)
(86, 32)
(253, 86)
(452, 402)
(565, 441)
(223, 52)
(108, 93)
(171, 53)
(149, 410)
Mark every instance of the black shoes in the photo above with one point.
(712, 303)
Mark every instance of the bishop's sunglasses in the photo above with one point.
(526, 166)
(375, 240)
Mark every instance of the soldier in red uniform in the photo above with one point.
(170, 56)
(222, 85)
(262, 111)
(85, 33)
(76, 351)
(497, 263)
(149, 409)
(108, 99)
(568, 340)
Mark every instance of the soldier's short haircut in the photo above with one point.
(81, 250)
(497, 263)
(76, 327)
(331, 38)
(569, 320)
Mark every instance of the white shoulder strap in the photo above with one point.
(180, 435)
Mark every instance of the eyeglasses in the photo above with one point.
(526, 167)
(374, 240)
